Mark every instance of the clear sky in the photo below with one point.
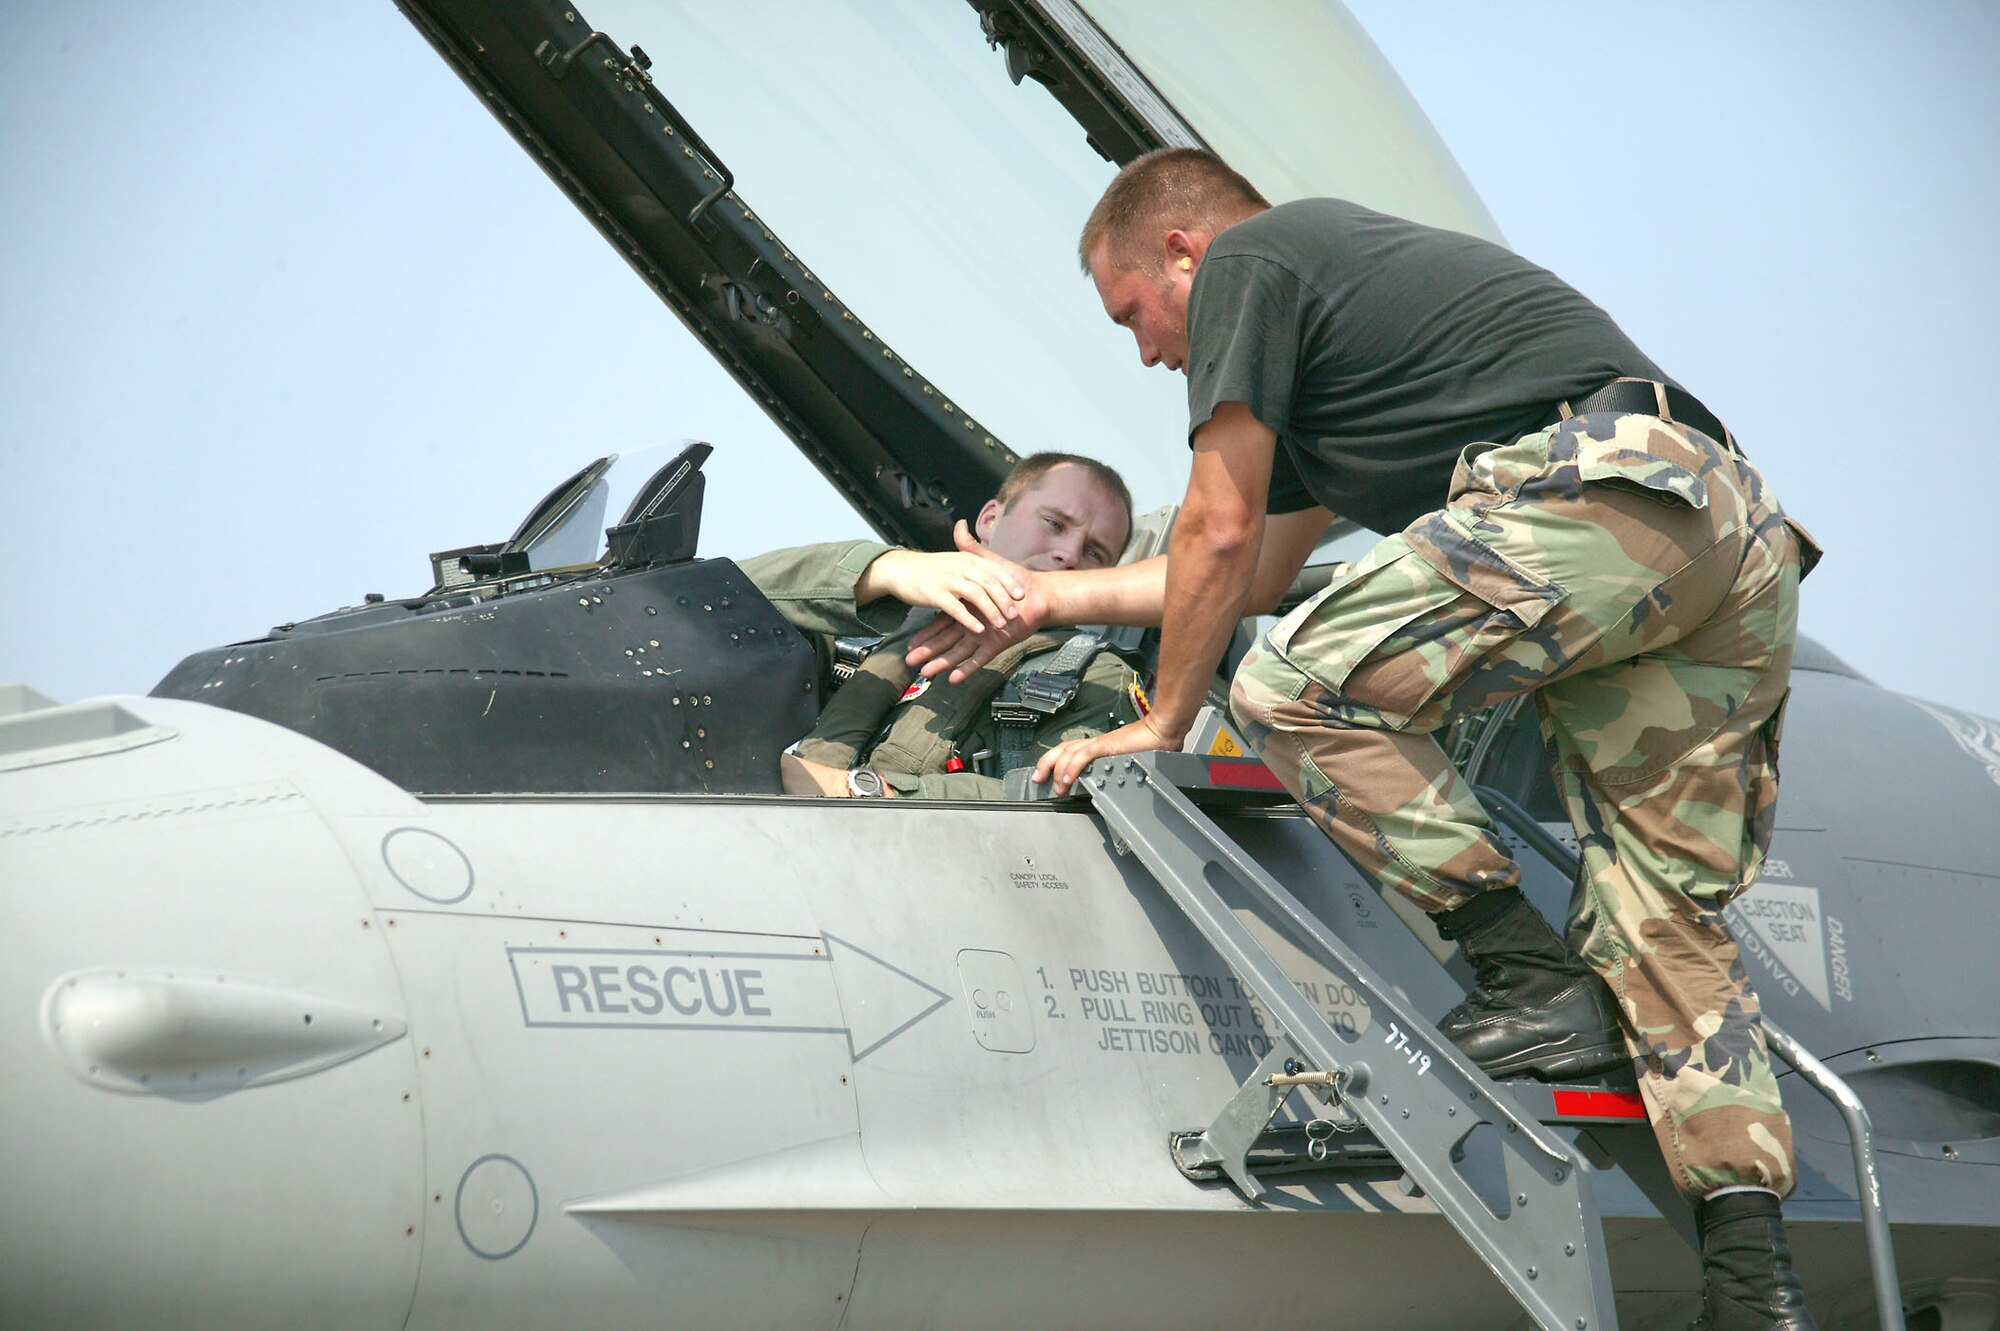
(282, 309)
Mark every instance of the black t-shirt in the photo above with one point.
(1378, 348)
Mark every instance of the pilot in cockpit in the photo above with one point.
(886, 732)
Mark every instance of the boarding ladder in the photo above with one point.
(1398, 1091)
(1398, 1079)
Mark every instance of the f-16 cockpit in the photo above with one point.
(891, 342)
(589, 652)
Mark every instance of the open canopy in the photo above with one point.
(873, 225)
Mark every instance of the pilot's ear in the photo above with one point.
(982, 526)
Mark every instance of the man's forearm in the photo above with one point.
(1206, 588)
(1217, 544)
(1137, 593)
(1126, 594)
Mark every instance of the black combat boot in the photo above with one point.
(1537, 1008)
(1746, 1267)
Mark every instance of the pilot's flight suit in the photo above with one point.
(907, 731)
(1633, 574)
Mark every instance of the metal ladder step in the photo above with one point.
(1413, 1092)
(1331, 1145)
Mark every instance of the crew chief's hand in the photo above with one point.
(974, 594)
(1067, 760)
(961, 644)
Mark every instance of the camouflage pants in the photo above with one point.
(1639, 581)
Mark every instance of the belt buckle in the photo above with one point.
(1043, 696)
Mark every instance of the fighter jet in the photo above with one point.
(457, 959)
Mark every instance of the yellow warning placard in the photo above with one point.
(1223, 746)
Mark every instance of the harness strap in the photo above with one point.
(1032, 695)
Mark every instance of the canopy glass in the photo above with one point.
(885, 145)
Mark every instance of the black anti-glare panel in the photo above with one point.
(676, 679)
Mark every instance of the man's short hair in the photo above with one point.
(1032, 468)
(1169, 189)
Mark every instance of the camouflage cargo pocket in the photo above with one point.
(1329, 634)
(1398, 630)
(1642, 454)
(1656, 478)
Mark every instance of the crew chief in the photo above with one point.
(1601, 544)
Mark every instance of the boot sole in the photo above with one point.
(1563, 1060)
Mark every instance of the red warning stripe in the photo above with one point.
(1247, 773)
(1599, 1104)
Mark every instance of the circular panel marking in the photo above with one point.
(497, 1206)
(428, 864)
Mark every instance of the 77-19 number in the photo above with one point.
(1399, 1041)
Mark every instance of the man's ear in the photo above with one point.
(982, 526)
(1185, 247)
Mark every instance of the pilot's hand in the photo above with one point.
(977, 594)
(963, 648)
(1066, 761)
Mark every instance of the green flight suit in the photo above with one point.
(880, 719)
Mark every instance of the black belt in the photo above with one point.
(1631, 396)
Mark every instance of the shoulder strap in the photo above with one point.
(918, 735)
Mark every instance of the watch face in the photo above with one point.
(863, 782)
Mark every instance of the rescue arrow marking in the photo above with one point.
(791, 993)
(873, 1000)
(607, 988)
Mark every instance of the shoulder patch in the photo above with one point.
(918, 687)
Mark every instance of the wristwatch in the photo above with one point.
(865, 784)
